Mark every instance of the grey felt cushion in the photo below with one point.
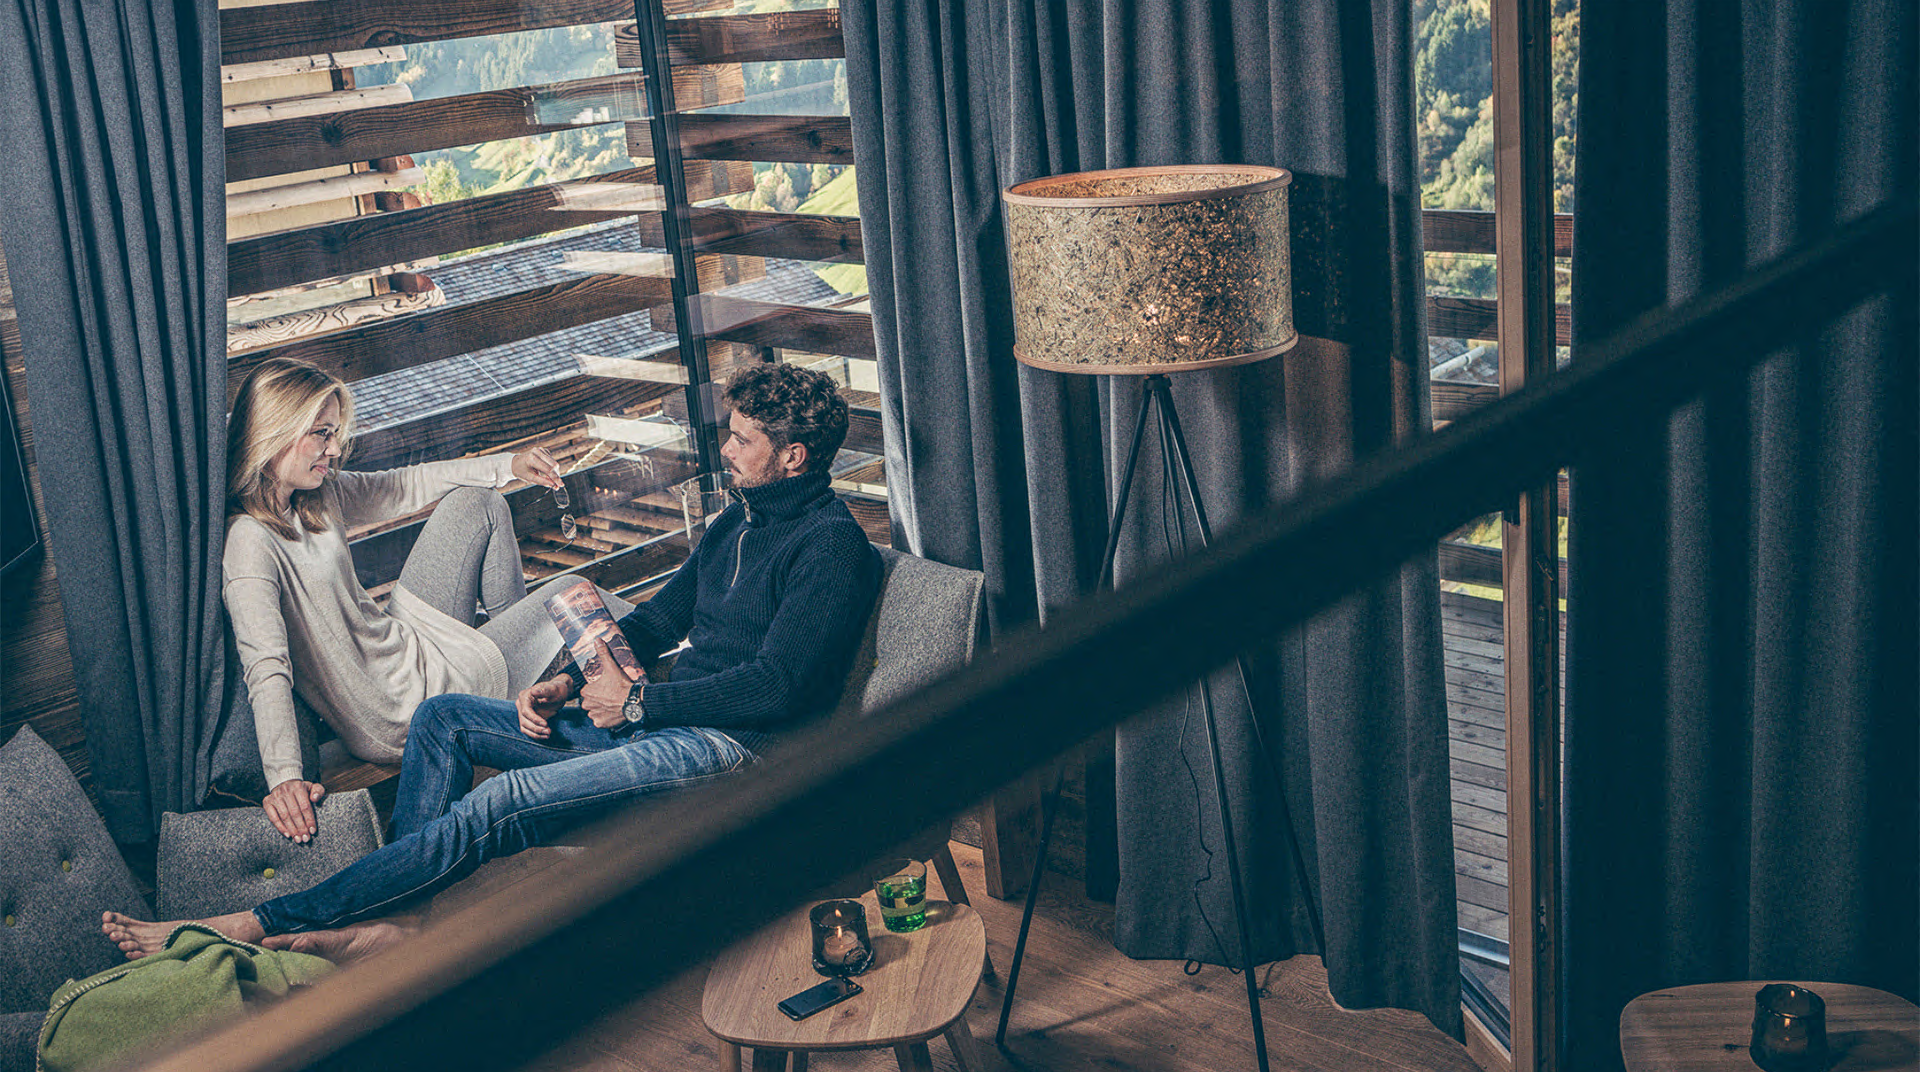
(925, 625)
(58, 871)
(19, 1035)
(215, 862)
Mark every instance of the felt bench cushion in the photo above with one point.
(58, 871)
(214, 862)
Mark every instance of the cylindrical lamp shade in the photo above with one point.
(1144, 270)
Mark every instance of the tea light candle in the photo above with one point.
(840, 944)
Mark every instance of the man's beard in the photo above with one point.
(743, 478)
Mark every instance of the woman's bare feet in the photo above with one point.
(356, 941)
(137, 938)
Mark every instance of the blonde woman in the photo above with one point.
(303, 623)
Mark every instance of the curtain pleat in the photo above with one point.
(1741, 724)
(996, 466)
(115, 232)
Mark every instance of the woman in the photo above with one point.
(303, 623)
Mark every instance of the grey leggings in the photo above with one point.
(466, 556)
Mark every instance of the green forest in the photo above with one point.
(1453, 93)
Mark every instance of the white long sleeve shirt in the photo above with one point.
(304, 624)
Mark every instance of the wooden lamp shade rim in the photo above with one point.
(1089, 369)
(1022, 193)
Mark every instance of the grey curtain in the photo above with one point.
(115, 231)
(1010, 470)
(1741, 723)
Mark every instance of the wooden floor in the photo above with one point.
(1081, 1006)
(1477, 733)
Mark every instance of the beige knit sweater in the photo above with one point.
(303, 623)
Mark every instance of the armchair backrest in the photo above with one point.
(927, 622)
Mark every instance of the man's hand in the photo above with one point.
(537, 703)
(536, 466)
(605, 696)
(290, 808)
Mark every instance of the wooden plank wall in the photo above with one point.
(36, 671)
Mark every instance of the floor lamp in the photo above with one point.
(1148, 272)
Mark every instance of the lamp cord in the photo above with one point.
(1170, 523)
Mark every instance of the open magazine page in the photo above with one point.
(582, 618)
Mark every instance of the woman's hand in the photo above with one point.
(536, 466)
(290, 808)
(537, 703)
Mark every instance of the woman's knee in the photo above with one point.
(475, 503)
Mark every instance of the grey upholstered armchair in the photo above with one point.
(927, 623)
(59, 870)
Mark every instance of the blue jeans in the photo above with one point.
(548, 787)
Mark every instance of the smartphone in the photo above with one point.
(814, 998)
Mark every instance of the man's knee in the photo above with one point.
(437, 720)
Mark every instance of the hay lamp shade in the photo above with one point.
(1138, 271)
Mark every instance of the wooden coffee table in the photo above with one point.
(918, 987)
(1706, 1028)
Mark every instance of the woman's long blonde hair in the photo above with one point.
(278, 403)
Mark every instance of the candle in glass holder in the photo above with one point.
(840, 943)
(1789, 1029)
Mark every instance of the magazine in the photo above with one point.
(582, 618)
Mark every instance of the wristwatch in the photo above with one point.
(634, 709)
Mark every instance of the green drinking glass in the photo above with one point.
(902, 890)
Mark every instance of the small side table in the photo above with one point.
(1706, 1028)
(918, 987)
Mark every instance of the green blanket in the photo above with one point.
(200, 977)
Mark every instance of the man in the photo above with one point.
(772, 603)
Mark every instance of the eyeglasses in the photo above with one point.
(569, 528)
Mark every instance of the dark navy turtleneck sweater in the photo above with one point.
(773, 602)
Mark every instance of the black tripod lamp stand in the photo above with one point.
(1147, 272)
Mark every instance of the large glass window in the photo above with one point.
(471, 229)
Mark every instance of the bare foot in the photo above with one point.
(356, 941)
(137, 938)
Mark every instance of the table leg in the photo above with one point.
(729, 1057)
(769, 1060)
(913, 1057)
(965, 1049)
(798, 1062)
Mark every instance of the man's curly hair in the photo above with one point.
(792, 405)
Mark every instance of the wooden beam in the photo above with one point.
(1462, 231)
(1473, 564)
(405, 342)
(1453, 400)
(278, 31)
(864, 431)
(778, 35)
(313, 104)
(327, 61)
(1479, 318)
(278, 330)
(802, 139)
(303, 142)
(315, 191)
(347, 246)
(793, 327)
(709, 85)
(487, 425)
(789, 235)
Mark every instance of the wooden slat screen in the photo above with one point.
(780, 35)
(277, 31)
(791, 235)
(790, 327)
(803, 139)
(381, 346)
